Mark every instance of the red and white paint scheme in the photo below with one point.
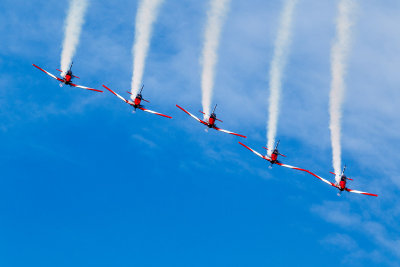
(275, 153)
(274, 156)
(211, 121)
(67, 79)
(341, 186)
(136, 104)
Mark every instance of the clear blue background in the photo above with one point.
(84, 182)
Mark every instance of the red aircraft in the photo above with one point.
(211, 121)
(67, 79)
(341, 186)
(274, 154)
(137, 102)
(274, 157)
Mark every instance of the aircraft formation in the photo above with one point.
(209, 121)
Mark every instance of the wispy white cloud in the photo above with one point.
(144, 140)
(342, 240)
(342, 214)
(337, 212)
(355, 255)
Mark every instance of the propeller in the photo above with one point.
(344, 168)
(139, 93)
(342, 174)
(215, 108)
(278, 152)
(69, 69)
(213, 112)
(277, 144)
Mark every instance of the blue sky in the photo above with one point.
(87, 183)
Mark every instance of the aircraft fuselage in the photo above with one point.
(211, 120)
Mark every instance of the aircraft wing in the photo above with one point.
(123, 99)
(153, 112)
(334, 185)
(193, 116)
(360, 192)
(326, 181)
(48, 73)
(288, 166)
(322, 179)
(225, 131)
(307, 171)
(84, 87)
(255, 152)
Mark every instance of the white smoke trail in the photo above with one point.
(278, 63)
(339, 52)
(215, 18)
(146, 15)
(73, 26)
